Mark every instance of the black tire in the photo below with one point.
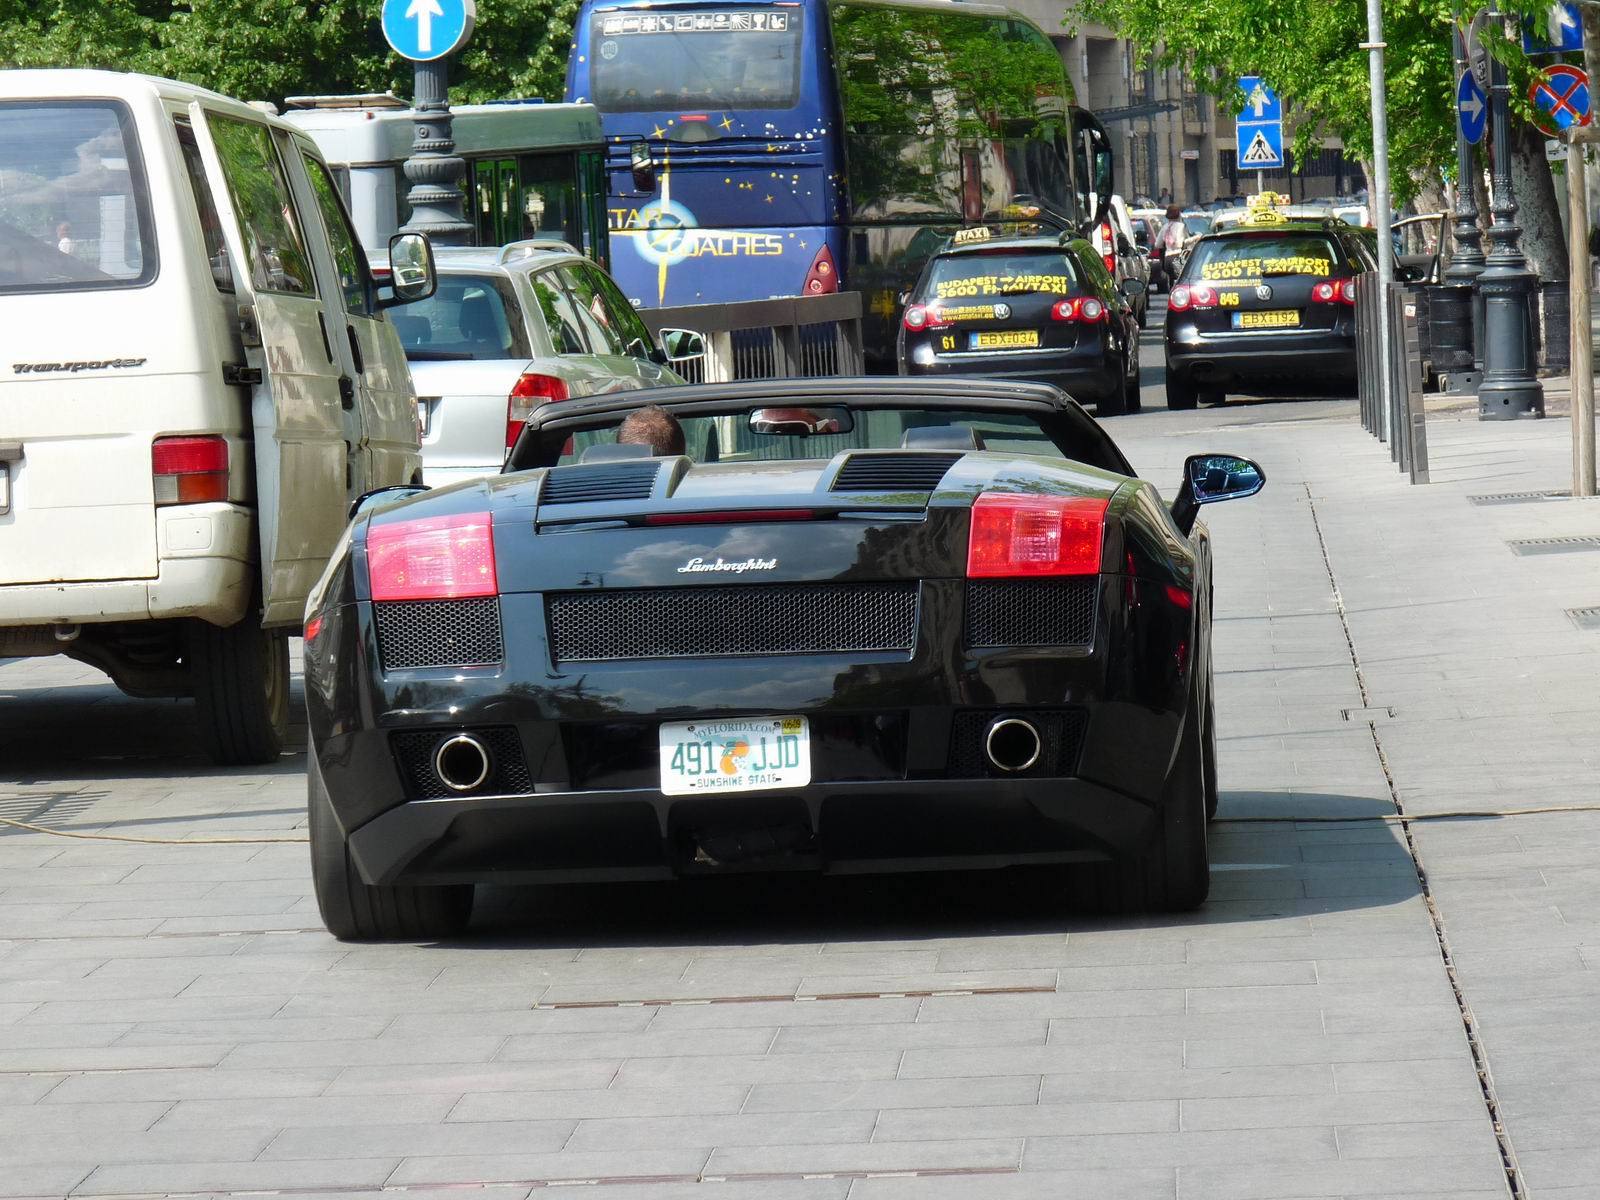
(355, 911)
(1213, 397)
(1115, 401)
(1131, 400)
(1180, 392)
(240, 679)
(1174, 874)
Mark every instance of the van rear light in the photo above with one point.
(432, 558)
(189, 470)
(529, 392)
(1020, 535)
(1108, 247)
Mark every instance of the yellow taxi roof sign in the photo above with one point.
(978, 233)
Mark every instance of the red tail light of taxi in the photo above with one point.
(924, 316)
(1334, 291)
(1347, 291)
(432, 558)
(1021, 535)
(189, 470)
(529, 392)
(1186, 296)
(1087, 309)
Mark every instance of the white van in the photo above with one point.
(196, 380)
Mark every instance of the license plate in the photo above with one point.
(739, 754)
(1006, 339)
(1282, 319)
(5, 488)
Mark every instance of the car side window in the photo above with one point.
(1093, 268)
(591, 310)
(273, 243)
(560, 316)
(210, 222)
(636, 337)
(347, 257)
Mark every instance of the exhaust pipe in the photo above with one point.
(1012, 744)
(462, 763)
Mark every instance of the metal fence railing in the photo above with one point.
(784, 338)
(1403, 411)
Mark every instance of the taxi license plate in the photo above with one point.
(1006, 339)
(737, 754)
(1282, 319)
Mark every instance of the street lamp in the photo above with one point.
(434, 169)
(1466, 264)
(1510, 388)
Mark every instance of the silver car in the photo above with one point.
(513, 327)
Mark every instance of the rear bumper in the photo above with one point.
(206, 569)
(1086, 379)
(1317, 362)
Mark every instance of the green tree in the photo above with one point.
(269, 49)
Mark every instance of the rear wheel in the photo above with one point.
(1180, 392)
(355, 911)
(240, 679)
(1214, 396)
(1174, 873)
(1114, 402)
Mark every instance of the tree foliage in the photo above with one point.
(269, 49)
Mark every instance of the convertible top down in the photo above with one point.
(860, 624)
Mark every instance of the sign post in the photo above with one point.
(427, 32)
(1258, 131)
(1466, 264)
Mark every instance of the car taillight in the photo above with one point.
(823, 277)
(432, 558)
(1016, 535)
(1087, 309)
(1196, 295)
(1178, 298)
(924, 316)
(189, 470)
(1325, 292)
(530, 391)
(1347, 290)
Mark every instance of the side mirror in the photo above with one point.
(1208, 478)
(1132, 287)
(682, 345)
(378, 497)
(411, 269)
(642, 167)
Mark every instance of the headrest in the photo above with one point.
(614, 451)
(941, 437)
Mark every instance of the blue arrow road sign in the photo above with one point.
(1564, 26)
(1259, 128)
(423, 30)
(1472, 108)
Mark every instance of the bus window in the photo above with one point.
(655, 59)
(549, 204)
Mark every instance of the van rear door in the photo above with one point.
(296, 411)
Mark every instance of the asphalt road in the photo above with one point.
(174, 1020)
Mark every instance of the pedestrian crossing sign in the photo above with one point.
(1260, 147)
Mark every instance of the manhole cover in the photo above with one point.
(1368, 715)
(1555, 545)
(1585, 618)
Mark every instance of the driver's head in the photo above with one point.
(655, 427)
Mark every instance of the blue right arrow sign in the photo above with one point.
(1472, 108)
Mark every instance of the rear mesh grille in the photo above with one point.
(1061, 733)
(1031, 612)
(603, 481)
(892, 472)
(439, 633)
(690, 622)
(508, 769)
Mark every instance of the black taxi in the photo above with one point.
(1025, 303)
(1266, 307)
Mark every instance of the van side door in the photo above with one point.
(384, 433)
(290, 364)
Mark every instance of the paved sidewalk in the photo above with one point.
(173, 1020)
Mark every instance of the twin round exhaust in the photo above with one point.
(1011, 744)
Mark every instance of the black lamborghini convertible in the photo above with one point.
(860, 625)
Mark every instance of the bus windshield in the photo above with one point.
(654, 61)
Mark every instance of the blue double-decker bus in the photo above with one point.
(799, 147)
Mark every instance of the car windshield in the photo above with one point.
(1261, 256)
(966, 276)
(74, 211)
(649, 61)
(1197, 222)
(730, 438)
(468, 317)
